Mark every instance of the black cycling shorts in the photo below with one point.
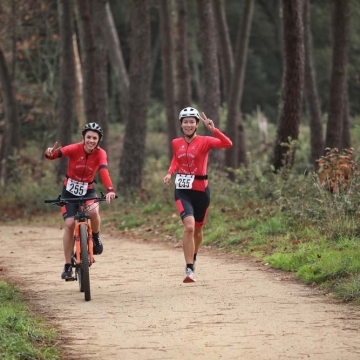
(69, 210)
(193, 203)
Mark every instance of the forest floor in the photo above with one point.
(141, 309)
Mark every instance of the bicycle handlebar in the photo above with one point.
(63, 201)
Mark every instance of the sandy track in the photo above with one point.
(140, 309)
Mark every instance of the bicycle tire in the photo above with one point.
(78, 272)
(85, 262)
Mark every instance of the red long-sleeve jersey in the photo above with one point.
(192, 158)
(82, 166)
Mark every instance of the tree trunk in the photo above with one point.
(226, 57)
(345, 136)
(237, 153)
(66, 109)
(79, 98)
(167, 72)
(133, 154)
(88, 60)
(10, 144)
(194, 60)
(340, 29)
(182, 58)
(99, 15)
(116, 58)
(311, 93)
(14, 39)
(293, 85)
(210, 72)
(240, 61)
(210, 81)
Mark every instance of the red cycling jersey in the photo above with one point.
(82, 166)
(191, 158)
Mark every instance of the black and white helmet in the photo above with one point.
(93, 127)
(189, 112)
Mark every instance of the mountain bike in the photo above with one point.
(83, 256)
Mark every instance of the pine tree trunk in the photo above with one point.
(226, 57)
(182, 58)
(293, 85)
(79, 98)
(133, 154)
(345, 136)
(10, 143)
(210, 79)
(111, 37)
(99, 15)
(66, 109)
(311, 93)
(167, 64)
(236, 155)
(340, 29)
(88, 59)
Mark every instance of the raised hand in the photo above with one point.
(207, 122)
(50, 151)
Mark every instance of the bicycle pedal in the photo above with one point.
(70, 279)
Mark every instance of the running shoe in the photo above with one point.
(67, 273)
(190, 276)
(97, 245)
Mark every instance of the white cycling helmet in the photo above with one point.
(93, 127)
(189, 112)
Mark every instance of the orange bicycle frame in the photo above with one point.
(77, 241)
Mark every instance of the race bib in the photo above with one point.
(77, 188)
(184, 181)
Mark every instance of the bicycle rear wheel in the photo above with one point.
(85, 263)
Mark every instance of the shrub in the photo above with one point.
(337, 169)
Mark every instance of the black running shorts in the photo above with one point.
(193, 203)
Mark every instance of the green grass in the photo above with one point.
(329, 265)
(215, 236)
(321, 262)
(129, 221)
(276, 225)
(348, 290)
(22, 335)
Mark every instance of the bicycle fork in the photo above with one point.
(89, 243)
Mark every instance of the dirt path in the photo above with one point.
(140, 309)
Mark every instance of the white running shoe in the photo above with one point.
(190, 276)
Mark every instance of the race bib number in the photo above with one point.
(77, 188)
(184, 181)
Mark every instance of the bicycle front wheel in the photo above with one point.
(85, 262)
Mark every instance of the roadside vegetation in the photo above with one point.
(22, 335)
(299, 221)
